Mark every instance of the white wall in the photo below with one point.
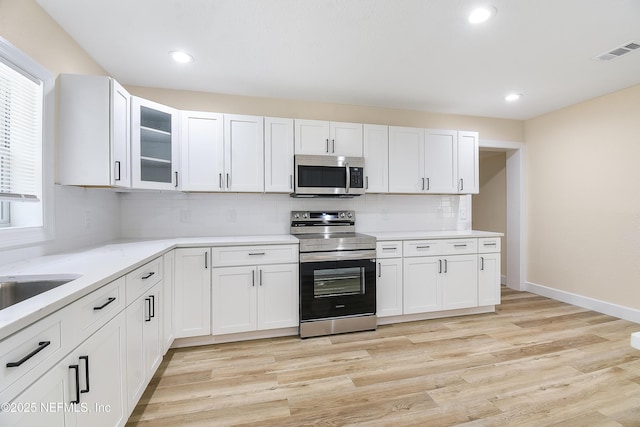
(163, 214)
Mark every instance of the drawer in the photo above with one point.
(34, 350)
(143, 278)
(254, 255)
(488, 245)
(391, 249)
(459, 246)
(93, 311)
(421, 247)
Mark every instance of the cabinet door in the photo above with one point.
(233, 299)
(422, 284)
(346, 139)
(489, 279)
(154, 151)
(120, 135)
(460, 282)
(278, 296)
(406, 160)
(468, 178)
(192, 292)
(376, 157)
(168, 295)
(102, 374)
(244, 153)
(54, 391)
(312, 137)
(440, 161)
(152, 332)
(202, 151)
(278, 155)
(389, 287)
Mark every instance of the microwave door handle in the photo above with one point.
(348, 186)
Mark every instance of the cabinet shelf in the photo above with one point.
(151, 160)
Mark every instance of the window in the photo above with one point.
(25, 140)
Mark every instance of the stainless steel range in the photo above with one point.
(337, 273)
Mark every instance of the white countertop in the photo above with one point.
(420, 235)
(102, 264)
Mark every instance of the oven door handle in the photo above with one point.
(338, 256)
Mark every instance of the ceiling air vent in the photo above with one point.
(618, 52)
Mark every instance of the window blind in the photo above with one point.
(21, 98)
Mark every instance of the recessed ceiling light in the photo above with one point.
(513, 97)
(482, 14)
(181, 57)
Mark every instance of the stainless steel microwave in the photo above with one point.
(336, 176)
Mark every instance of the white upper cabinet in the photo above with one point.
(278, 155)
(440, 161)
(244, 153)
(468, 163)
(328, 138)
(376, 157)
(154, 147)
(432, 161)
(94, 131)
(202, 151)
(406, 160)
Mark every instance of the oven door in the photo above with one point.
(339, 288)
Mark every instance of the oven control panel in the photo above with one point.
(326, 216)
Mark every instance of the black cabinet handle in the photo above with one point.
(148, 275)
(109, 301)
(118, 171)
(77, 368)
(153, 306)
(41, 346)
(176, 186)
(379, 270)
(148, 300)
(86, 371)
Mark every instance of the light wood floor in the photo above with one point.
(536, 362)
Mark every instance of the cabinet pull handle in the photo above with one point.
(148, 300)
(153, 306)
(390, 248)
(220, 180)
(206, 260)
(423, 247)
(460, 245)
(446, 267)
(77, 369)
(260, 278)
(461, 184)
(109, 301)
(439, 266)
(490, 244)
(176, 186)
(422, 184)
(117, 170)
(327, 146)
(256, 253)
(253, 278)
(333, 145)
(228, 181)
(481, 263)
(366, 182)
(291, 181)
(41, 346)
(428, 184)
(379, 270)
(86, 372)
(148, 275)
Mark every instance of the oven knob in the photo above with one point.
(304, 215)
(341, 214)
(349, 214)
(296, 215)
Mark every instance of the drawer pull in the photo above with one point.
(86, 371)
(490, 244)
(41, 346)
(423, 247)
(109, 301)
(148, 275)
(389, 248)
(77, 368)
(256, 253)
(462, 245)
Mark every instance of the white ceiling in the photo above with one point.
(413, 54)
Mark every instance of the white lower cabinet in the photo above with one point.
(251, 298)
(459, 282)
(144, 352)
(192, 292)
(85, 389)
(389, 287)
(422, 284)
(489, 271)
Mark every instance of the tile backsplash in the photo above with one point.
(165, 214)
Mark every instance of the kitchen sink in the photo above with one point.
(14, 289)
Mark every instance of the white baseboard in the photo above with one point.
(619, 311)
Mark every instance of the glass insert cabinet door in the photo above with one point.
(154, 145)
